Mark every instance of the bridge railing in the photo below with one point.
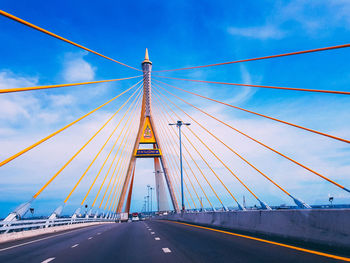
(22, 225)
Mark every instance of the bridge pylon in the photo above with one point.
(147, 136)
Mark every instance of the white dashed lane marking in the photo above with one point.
(90, 238)
(157, 238)
(98, 233)
(75, 245)
(40, 239)
(47, 260)
(152, 233)
(166, 250)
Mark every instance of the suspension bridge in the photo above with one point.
(199, 216)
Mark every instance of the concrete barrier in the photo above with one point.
(329, 227)
(42, 231)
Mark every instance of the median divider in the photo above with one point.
(315, 227)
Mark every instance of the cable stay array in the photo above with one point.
(256, 113)
(108, 175)
(161, 123)
(9, 159)
(263, 204)
(123, 142)
(76, 154)
(255, 140)
(125, 127)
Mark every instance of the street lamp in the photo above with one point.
(148, 187)
(179, 124)
(151, 188)
(145, 204)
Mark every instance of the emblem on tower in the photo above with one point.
(147, 134)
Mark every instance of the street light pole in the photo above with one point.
(151, 199)
(148, 186)
(179, 124)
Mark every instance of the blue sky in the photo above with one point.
(177, 34)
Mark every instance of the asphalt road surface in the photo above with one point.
(149, 241)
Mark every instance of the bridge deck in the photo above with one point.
(138, 242)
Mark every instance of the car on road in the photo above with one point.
(135, 217)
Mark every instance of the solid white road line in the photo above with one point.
(157, 238)
(37, 240)
(166, 250)
(74, 245)
(47, 260)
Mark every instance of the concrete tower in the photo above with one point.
(147, 134)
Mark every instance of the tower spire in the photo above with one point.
(146, 60)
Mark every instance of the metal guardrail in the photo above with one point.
(23, 225)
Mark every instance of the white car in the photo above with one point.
(135, 218)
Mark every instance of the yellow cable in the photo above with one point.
(191, 130)
(62, 129)
(59, 37)
(188, 177)
(173, 167)
(112, 176)
(61, 85)
(178, 168)
(208, 167)
(111, 165)
(174, 178)
(118, 175)
(76, 154)
(115, 175)
(123, 170)
(193, 160)
(88, 168)
(116, 188)
(262, 144)
(105, 161)
(241, 157)
(223, 184)
(112, 188)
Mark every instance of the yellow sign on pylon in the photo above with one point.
(147, 133)
(148, 153)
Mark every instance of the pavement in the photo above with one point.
(151, 241)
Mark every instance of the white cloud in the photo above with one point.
(259, 32)
(62, 100)
(298, 16)
(247, 92)
(14, 106)
(9, 80)
(76, 68)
